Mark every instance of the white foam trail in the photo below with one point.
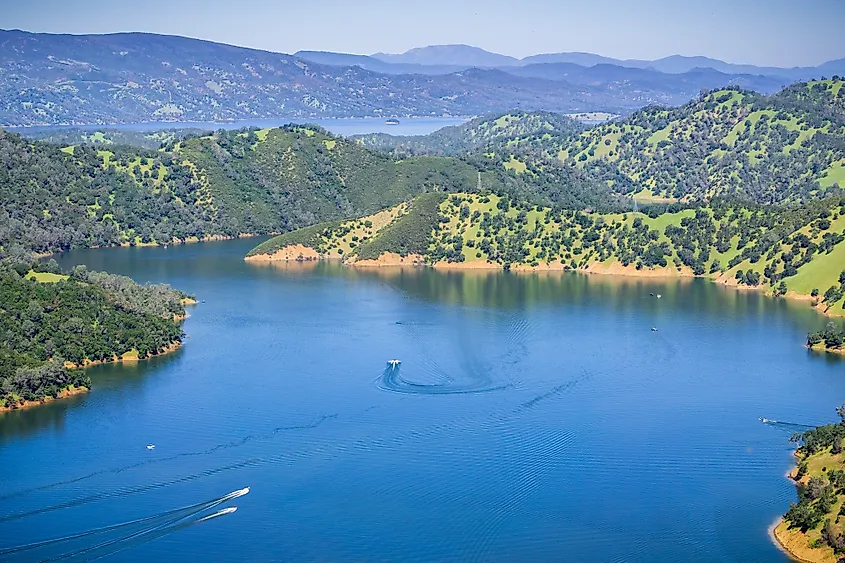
(223, 512)
(194, 509)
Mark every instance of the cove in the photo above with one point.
(534, 417)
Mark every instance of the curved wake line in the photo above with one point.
(391, 380)
(209, 451)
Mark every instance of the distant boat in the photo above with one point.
(653, 329)
(394, 363)
(659, 296)
(391, 122)
(151, 446)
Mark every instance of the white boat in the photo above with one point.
(151, 446)
(394, 363)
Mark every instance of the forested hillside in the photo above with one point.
(50, 322)
(522, 128)
(232, 183)
(800, 249)
(787, 147)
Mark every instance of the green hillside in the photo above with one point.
(798, 249)
(787, 147)
(231, 183)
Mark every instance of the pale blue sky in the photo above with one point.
(764, 32)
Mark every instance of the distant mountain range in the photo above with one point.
(48, 79)
(465, 56)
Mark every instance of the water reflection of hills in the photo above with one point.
(509, 290)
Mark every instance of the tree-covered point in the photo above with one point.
(75, 318)
(832, 337)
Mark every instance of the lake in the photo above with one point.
(533, 417)
(344, 127)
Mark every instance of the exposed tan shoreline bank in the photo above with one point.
(63, 394)
(795, 543)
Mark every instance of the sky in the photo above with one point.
(762, 32)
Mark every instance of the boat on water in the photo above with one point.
(654, 329)
(394, 363)
(391, 121)
(151, 446)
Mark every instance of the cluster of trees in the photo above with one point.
(85, 316)
(516, 231)
(832, 336)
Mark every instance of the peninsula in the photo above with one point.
(813, 529)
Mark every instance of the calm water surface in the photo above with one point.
(533, 418)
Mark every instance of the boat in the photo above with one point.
(394, 363)
(151, 446)
(653, 329)
(659, 296)
(391, 121)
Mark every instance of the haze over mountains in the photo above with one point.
(435, 59)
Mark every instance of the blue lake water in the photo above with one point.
(344, 127)
(534, 417)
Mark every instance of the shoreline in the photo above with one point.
(68, 391)
(127, 357)
(822, 348)
(71, 390)
(301, 253)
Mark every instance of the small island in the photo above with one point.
(54, 323)
(830, 339)
(813, 529)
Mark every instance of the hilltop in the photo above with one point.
(797, 251)
(786, 147)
